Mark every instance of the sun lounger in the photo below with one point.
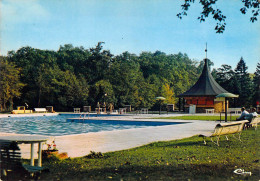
(44, 110)
(21, 111)
(226, 129)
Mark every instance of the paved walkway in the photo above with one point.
(106, 141)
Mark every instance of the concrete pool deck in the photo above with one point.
(106, 141)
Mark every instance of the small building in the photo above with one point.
(50, 109)
(86, 108)
(202, 95)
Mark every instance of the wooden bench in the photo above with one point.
(10, 163)
(226, 129)
(255, 122)
(44, 110)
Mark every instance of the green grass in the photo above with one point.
(186, 159)
(195, 117)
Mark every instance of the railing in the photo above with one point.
(84, 115)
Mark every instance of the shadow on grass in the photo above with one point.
(186, 159)
(160, 172)
(198, 141)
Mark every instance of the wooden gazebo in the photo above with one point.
(203, 93)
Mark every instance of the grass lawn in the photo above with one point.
(186, 159)
(199, 117)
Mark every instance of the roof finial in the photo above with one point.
(206, 50)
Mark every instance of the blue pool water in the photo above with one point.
(58, 125)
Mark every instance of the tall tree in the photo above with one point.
(74, 59)
(10, 84)
(257, 85)
(71, 91)
(98, 63)
(225, 77)
(168, 93)
(126, 78)
(243, 84)
(30, 61)
(102, 92)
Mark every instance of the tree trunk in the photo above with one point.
(11, 104)
(4, 106)
(39, 99)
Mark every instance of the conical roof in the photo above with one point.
(205, 86)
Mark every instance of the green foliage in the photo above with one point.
(243, 84)
(102, 92)
(74, 90)
(10, 84)
(33, 63)
(168, 93)
(76, 77)
(256, 81)
(126, 78)
(147, 93)
(209, 7)
(239, 82)
(185, 159)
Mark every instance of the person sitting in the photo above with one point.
(254, 112)
(252, 115)
(243, 114)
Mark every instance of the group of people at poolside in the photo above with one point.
(245, 115)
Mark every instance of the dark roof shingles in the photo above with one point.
(205, 86)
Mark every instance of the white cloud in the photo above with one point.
(22, 11)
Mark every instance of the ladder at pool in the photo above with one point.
(84, 115)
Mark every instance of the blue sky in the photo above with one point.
(129, 25)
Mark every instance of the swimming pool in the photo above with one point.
(59, 126)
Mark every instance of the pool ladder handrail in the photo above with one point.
(84, 115)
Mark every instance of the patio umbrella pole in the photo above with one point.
(160, 99)
(160, 109)
(226, 95)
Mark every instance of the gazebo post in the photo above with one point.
(225, 109)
